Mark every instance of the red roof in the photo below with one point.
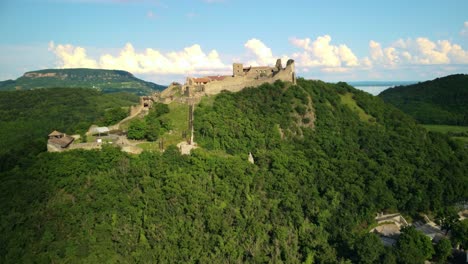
(201, 80)
(216, 78)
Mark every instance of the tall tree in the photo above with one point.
(413, 246)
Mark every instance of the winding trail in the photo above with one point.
(117, 126)
(139, 107)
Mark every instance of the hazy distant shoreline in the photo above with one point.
(375, 87)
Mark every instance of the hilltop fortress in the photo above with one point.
(241, 77)
(189, 93)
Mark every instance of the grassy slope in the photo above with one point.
(348, 100)
(178, 117)
(446, 129)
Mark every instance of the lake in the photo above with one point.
(375, 87)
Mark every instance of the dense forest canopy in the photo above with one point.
(327, 158)
(27, 117)
(440, 101)
(103, 80)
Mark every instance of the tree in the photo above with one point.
(137, 129)
(155, 124)
(388, 257)
(413, 246)
(447, 218)
(443, 250)
(160, 109)
(369, 248)
(114, 115)
(152, 131)
(460, 234)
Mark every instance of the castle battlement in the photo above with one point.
(241, 78)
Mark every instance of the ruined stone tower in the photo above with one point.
(237, 69)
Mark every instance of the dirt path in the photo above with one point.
(117, 126)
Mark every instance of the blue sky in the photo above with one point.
(161, 40)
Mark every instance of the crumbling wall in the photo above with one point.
(53, 148)
(86, 146)
(239, 80)
(135, 109)
(287, 74)
(237, 83)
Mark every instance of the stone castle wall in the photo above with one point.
(236, 83)
(53, 148)
(195, 88)
(135, 109)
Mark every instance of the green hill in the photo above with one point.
(103, 80)
(327, 157)
(27, 117)
(440, 101)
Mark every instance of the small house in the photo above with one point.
(58, 141)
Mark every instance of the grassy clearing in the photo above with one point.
(178, 118)
(348, 100)
(207, 100)
(446, 128)
(149, 146)
(464, 139)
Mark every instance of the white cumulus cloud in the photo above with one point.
(260, 54)
(382, 56)
(428, 52)
(321, 53)
(72, 57)
(190, 60)
(375, 50)
(419, 51)
(263, 54)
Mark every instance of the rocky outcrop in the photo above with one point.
(39, 75)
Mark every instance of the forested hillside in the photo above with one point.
(27, 117)
(327, 158)
(440, 101)
(107, 81)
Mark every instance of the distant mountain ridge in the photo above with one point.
(440, 101)
(104, 80)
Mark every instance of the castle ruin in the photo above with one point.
(241, 77)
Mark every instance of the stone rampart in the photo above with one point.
(236, 83)
(88, 146)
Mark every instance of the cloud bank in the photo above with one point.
(419, 51)
(319, 55)
(189, 61)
